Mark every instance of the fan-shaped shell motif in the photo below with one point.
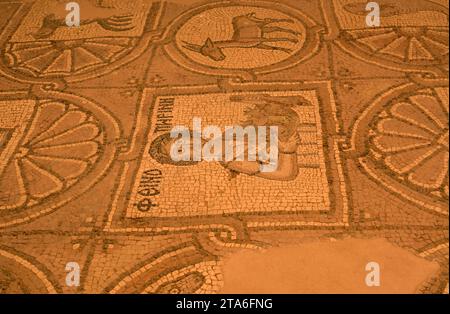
(427, 45)
(62, 144)
(412, 137)
(53, 58)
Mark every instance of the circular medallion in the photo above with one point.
(402, 142)
(245, 39)
(239, 37)
(51, 151)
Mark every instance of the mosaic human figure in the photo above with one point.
(265, 111)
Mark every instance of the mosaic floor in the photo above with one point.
(84, 111)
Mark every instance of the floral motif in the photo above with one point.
(412, 140)
(62, 144)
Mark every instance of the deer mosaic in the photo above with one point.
(249, 32)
